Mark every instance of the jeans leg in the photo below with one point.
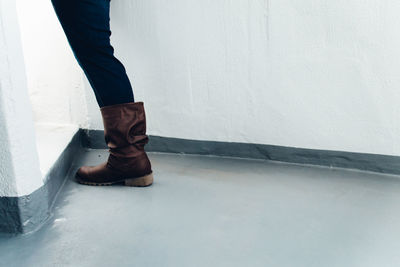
(86, 24)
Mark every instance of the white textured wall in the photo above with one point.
(312, 74)
(55, 80)
(38, 73)
(19, 163)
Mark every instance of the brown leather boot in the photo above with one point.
(125, 135)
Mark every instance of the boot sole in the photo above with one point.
(143, 181)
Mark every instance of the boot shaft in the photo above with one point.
(125, 129)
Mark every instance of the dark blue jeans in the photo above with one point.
(86, 24)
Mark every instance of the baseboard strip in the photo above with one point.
(360, 161)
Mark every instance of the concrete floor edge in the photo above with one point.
(26, 214)
(386, 164)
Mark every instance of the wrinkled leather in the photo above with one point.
(125, 135)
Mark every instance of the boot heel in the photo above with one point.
(140, 181)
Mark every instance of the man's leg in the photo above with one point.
(86, 24)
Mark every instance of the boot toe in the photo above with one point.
(83, 172)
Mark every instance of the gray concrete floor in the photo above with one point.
(210, 211)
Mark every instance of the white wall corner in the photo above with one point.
(19, 159)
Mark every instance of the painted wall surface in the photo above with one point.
(55, 80)
(19, 164)
(54, 77)
(310, 74)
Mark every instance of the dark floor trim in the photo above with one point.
(27, 213)
(360, 161)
